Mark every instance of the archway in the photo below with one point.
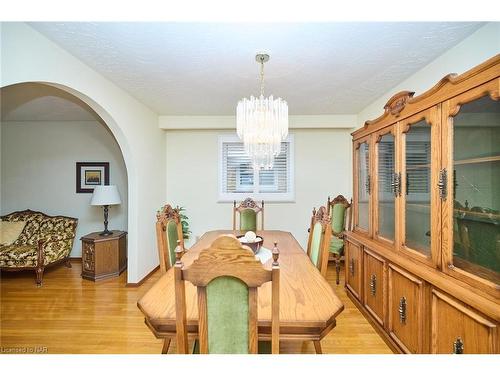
(105, 119)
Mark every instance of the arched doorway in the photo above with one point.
(62, 121)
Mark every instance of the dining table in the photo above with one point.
(308, 304)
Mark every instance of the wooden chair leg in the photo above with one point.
(39, 276)
(337, 269)
(317, 347)
(67, 263)
(166, 346)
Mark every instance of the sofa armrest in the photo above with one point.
(55, 247)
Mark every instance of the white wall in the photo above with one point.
(322, 168)
(477, 48)
(38, 171)
(229, 122)
(27, 56)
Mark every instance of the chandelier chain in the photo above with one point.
(262, 76)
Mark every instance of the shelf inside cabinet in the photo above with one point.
(476, 269)
(486, 159)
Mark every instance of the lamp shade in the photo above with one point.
(105, 195)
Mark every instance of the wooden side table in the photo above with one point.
(104, 256)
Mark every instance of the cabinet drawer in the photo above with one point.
(456, 327)
(353, 270)
(374, 285)
(405, 307)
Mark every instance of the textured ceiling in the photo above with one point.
(205, 68)
(38, 102)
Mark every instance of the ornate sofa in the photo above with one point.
(44, 241)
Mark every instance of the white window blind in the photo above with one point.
(386, 166)
(238, 180)
(418, 155)
(364, 171)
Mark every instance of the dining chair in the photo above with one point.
(168, 234)
(319, 239)
(317, 247)
(168, 231)
(227, 276)
(248, 210)
(337, 211)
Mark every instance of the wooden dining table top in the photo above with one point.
(308, 304)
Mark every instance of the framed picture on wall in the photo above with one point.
(91, 174)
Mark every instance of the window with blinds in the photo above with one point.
(386, 165)
(418, 162)
(418, 155)
(237, 179)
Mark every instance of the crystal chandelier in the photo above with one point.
(262, 123)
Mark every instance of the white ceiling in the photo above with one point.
(38, 102)
(205, 68)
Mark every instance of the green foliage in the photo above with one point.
(184, 221)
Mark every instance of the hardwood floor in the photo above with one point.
(72, 315)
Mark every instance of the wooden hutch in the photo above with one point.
(423, 256)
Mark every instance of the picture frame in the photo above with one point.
(91, 174)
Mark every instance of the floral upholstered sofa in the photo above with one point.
(45, 240)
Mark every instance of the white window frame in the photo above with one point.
(288, 197)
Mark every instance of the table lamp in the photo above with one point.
(105, 195)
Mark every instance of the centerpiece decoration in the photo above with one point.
(251, 240)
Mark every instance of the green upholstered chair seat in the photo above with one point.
(336, 246)
(248, 220)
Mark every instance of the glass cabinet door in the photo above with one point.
(386, 182)
(472, 211)
(420, 206)
(363, 186)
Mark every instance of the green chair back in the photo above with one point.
(338, 217)
(248, 220)
(227, 316)
(172, 238)
(316, 243)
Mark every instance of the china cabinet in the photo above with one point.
(423, 257)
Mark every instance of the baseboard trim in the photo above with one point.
(134, 285)
(75, 259)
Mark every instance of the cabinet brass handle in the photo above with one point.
(351, 267)
(373, 285)
(396, 184)
(443, 184)
(402, 310)
(458, 346)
